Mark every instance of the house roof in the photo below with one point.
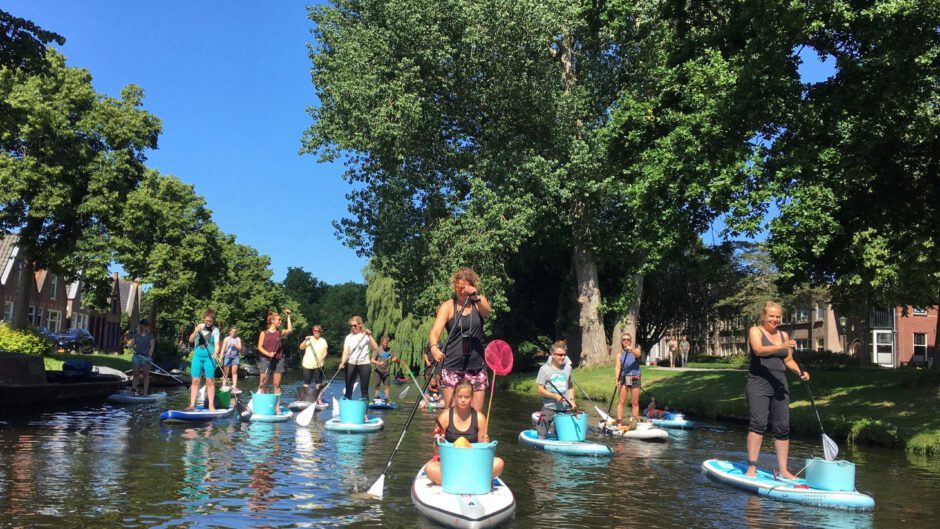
(129, 292)
(8, 251)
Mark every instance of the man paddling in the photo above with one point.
(554, 385)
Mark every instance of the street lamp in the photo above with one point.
(842, 321)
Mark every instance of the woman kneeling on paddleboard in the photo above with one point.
(462, 356)
(460, 421)
(771, 353)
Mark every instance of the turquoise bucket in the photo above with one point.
(570, 427)
(830, 475)
(264, 403)
(352, 411)
(467, 470)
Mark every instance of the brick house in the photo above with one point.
(896, 337)
(48, 300)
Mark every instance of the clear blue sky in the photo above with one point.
(231, 83)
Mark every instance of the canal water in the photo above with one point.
(118, 466)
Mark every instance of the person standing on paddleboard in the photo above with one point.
(231, 348)
(462, 420)
(271, 347)
(381, 360)
(315, 351)
(206, 344)
(627, 373)
(768, 397)
(554, 377)
(462, 356)
(142, 342)
(356, 358)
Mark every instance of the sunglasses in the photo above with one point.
(559, 354)
(354, 325)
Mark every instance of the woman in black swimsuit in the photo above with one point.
(768, 396)
(461, 421)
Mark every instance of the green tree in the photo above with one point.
(68, 158)
(23, 44)
(305, 289)
(332, 312)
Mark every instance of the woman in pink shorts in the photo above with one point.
(462, 354)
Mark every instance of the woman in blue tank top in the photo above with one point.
(768, 397)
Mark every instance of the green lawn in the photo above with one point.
(894, 408)
(54, 361)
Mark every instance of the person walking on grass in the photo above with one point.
(684, 347)
(768, 397)
(206, 344)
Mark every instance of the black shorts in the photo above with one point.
(271, 365)
(314, 376)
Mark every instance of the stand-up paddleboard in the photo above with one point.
(129, 397)
(463, 511)
(372, 425)
(789, 490)
(573, 448)
(200, 414)
(643, 431)
(301, 405)
(382, 405)
(434, 404)
(285, 415)
(672, 419)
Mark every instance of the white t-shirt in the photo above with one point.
(316, 349)
(358, 346)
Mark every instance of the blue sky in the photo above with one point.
(231, 82)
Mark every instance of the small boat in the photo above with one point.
(372, 425)
(671, 419)
(200, 414)
(24, 382)
(789, 490)
(301, 405)
(380, 404)
(400, 380)
(463, 511)
(643, 431)
(129, 397)
(285, 415)
(552, 444)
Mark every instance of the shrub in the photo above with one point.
(826, 359)
(23, 341)
(874, 432)
(165, 352)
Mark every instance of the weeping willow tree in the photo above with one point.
(409, 334)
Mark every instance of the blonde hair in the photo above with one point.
(768, 305)
(357, 320)
(467, 274)
(271, 315)
(560, 344)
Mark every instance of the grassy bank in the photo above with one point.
(54, 361)
(879, 407)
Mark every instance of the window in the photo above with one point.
(35, 316)
(79, 321)
(920, 347)
(53, 284)
(918, 311)
(802, 345)
(8, 311)
(820, 313)
(820, 344)
(52, 320)
(802, 314)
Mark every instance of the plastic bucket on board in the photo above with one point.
(223, 397)
(264, 403)
(352, 411)
(830, 475)
(570, 427)
(467, 470)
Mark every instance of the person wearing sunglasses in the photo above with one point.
(627, 375)
(356, 356)
(315, 350)
(553, 383)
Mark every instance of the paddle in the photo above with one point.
(603, 415)
(376, 489)
(303, 418)
(167, 373)
(830, 448)
(498, 356)
(563, 397)
(610, 405)
(415, 382)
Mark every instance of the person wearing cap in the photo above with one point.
(142, 343)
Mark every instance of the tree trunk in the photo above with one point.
(633, 313)
(25, 280)
(594, 350)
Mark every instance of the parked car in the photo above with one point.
(75, 341)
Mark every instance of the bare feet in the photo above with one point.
(785, 474)
(751, 471)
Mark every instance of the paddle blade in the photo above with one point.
(376, 489)
(830, 448)
(498, 357)
(303, 418)
(335, 407)
(201, 396)
(403, 392)
(602, 414)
